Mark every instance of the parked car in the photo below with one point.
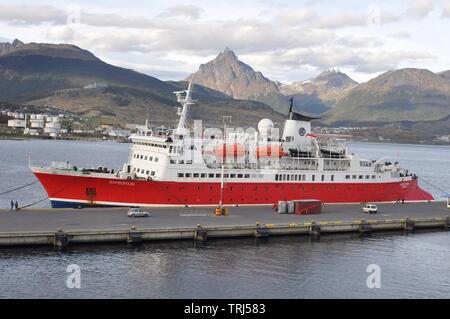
(370, 209)
(137, 212)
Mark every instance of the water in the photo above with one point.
(413, 266)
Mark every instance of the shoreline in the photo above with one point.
(125, 141)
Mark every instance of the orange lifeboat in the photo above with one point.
(272, 151)
(230, 150)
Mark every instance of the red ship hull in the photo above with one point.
(72, 191)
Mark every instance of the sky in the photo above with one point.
(287, 40)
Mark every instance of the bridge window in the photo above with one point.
(332, 178)
(188, 175)
(218, 175)
(313, 177)
(180, 175)
(360, 177)
(323, 178)
(211, 175)
(347, 176)
(240, 176)
(156, 159)
(196, 175)
(153, 173)
(147, 172)
(247, 176)
(203, 175)
(276, 177)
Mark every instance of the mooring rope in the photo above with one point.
(17, 188)
(32, 204)
(432, 185)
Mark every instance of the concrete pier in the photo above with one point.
(62, 227)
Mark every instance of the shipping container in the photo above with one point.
(282, 207)
(307, 207)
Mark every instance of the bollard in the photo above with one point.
(314, 230)
(261, 231)
(200, 234)
(409, 225)
(365, 227)
(60, 239)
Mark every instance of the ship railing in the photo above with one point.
(61, 165)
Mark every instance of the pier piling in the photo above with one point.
(261, 231)
(200, 234)
(314, 230)
(60, 239)
(365, 227)
(409, 225)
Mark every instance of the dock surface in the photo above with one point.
(113, 224)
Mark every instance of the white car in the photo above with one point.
(370, 209)
(137, 212)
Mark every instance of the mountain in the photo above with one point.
(68, 77)
(399, 95)
(445, 74)
(7, 47)
(227, 74)
(319, 94)
(328, 86)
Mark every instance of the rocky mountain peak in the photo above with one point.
(227, 74)
(8, 47)
(17, 43)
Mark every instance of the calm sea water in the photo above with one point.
(412, 266)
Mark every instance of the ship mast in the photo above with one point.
(226, 119)
(185, 102)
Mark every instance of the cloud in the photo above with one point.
(373, 16)
(204, 38)
(446, 10)
(295, 17)
(115, 20)
(60, 33)
(420, 8)
(400, 35)
(31, 14)
(358, 60)
(182, 10)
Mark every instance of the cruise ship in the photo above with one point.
(228, 167)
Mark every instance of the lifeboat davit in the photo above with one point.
(272, 151)
(230, 150)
